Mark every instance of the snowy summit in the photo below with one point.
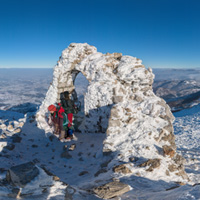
(125, 145)
(120, 103)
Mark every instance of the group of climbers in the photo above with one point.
(61, 117)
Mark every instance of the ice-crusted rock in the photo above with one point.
(111, 190)
(119, 102)
(22, 174)
(27, 180)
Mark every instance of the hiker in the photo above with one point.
(70, 109)
(57, 117)
(52, 120)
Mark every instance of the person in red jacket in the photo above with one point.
(52, 120)
(57, 120)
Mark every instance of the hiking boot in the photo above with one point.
(62, 135)
(63, 140)
(73, 137)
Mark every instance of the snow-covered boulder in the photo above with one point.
(120, 102)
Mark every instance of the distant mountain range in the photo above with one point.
(179, 94)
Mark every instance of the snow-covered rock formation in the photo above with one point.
(120, 102)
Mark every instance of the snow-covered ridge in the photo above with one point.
(120, 102)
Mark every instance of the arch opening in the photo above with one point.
(81, 84)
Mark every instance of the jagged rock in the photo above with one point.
(153, 163)
(122, 169)
(178, 159)
(172, 168)
(181, 183)
(18, 130)
(114, 113)
(114, 123)
(56, 178)
(111, 190)
(21, 124)
(183, 174)
(10, 128)
(167, 173)
(2, 136)
(131, 120)
(20, 175)
(138, 174)
(138, 98)
(167, 150)
(118, 99)
(3, 126)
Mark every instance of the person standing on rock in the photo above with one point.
(57, 117)
(70, 109)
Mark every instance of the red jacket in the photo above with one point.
(59, 111)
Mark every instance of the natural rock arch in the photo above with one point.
(120, 101)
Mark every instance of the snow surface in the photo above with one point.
(88, 157)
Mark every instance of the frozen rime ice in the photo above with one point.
(120, 102)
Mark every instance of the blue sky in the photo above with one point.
(163, 33)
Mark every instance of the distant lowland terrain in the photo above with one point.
(180, 88)
(23, 89)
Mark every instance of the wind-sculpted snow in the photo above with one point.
(120, 102)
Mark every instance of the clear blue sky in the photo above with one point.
(163, 33)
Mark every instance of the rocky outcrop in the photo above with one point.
(111, 190)
(22, 174)
(122, 169)
(119, 102)
(29, 181)
(152, 163)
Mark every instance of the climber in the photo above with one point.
(52, 120)
(70, 109)
(57, 119)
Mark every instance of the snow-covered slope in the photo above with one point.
(88, 167)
